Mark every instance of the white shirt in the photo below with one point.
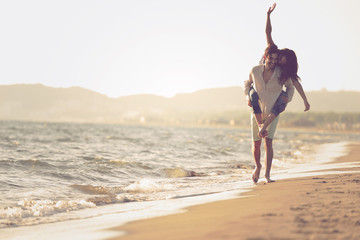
(270, 91)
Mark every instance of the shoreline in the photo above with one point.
(321, 206)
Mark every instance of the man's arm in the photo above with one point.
(268, 28)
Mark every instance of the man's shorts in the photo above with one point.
(255, 129)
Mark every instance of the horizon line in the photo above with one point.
(154, 94)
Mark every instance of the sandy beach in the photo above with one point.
(316, 207)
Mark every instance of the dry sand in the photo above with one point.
(322, 207)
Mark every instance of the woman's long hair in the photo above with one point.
(290, 68)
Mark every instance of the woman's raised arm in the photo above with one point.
(268, 28)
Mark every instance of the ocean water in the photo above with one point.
(53, 172)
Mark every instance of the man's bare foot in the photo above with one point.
(268, 180)
(256, 174)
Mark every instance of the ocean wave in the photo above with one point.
(120, 162)
(96, 190)
(39, 208)
(15, 142)
(224, 151)
(65, 140)
(124, 162)
(98, 201)
(147, 186)
(10, 183)
(242, 166)
(179, 172)
(113, 161)
(111, 199)
(34, 163)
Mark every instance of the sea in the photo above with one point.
(61, 172)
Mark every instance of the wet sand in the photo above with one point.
(317, 207)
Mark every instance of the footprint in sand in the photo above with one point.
(269, 215)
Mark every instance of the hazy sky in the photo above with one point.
(164, 47)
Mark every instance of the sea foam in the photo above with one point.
(30, 208)
(147, 186)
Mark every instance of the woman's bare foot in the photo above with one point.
(256, 174)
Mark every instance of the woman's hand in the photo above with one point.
(248, 101)
(307, 106)
(271, 9)
(268, 27)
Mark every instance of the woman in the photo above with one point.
(289, 66)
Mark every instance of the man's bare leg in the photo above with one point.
(269, 157)
(257, 154)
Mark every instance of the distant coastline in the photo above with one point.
(208, 107)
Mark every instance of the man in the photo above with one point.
(265, 80)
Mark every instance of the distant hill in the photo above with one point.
(42, 103)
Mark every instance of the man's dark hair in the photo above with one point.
(270, 50)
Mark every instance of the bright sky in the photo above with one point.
(164, 47)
